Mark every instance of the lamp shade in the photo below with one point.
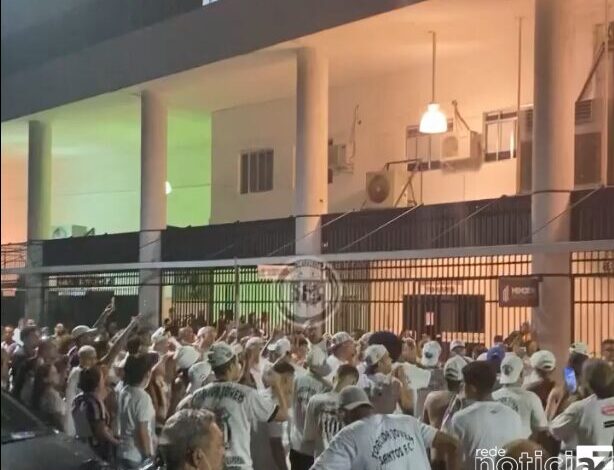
(433, 121)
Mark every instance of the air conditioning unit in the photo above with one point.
(66, 231)
(338, 158)
(460, 146)
(386, 188)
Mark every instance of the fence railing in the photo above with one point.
(491, 222)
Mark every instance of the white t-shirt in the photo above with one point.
(417, 379)
(588, 422)
(238, 408)
(527, 404)
(322, 421)
(390, 442)
(72, 390)
(134, 406)
(334, 362)
(484, 425)
(305, 387)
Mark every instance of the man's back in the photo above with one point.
(237, 408)
(305, 387)
(393, 442)
(527, 404)
(323, 420)
(435, 406)
(589, 421)
(484, 425)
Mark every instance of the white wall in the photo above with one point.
(481, 78)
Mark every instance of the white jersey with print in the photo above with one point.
(238, 408)
(527, 404)
(305, 387)
(323, 420)
(587, 422)
(484, 425)
(386, 442)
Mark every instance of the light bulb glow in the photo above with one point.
(168, 188)
(433, 121)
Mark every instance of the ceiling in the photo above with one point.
(376, 46)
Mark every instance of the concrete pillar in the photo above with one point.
(553, 170)
(39, 212)
(153, 201)
(311, 195)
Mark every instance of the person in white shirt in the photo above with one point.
(431, 352)
(237, 407)
(343, 351)
(387, 393)
(590, 421)
(323, 420)
(380, 441)
(313, 333)
(87, 358)
(527, 404)
(306, 386)
(136, 413)
(458, 348)
(253, 366)
(268, 444)
(484, 424)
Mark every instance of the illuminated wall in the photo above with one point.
(96, 172)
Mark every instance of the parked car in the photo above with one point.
(29, 444)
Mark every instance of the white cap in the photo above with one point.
(81, 330)
(511, 368)
(482, 357)
(375, 353)
(253, 342)
(186, 356)
(543, 360)
(198, 373)
(316, 362)
(352, 397)
(220, 353)
(578, 348)
(456, 343)
(159, 335)
(282, 346)
(340, 338)
(364, 339)
(453, 369)
(430, 354)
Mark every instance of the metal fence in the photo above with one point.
(450, 297)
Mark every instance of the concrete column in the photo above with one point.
(39, 212)
(153, 201)
(553, 170)
(311, 149)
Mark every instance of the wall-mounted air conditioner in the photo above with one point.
(386, 188)
(460, 146)
(66, 231)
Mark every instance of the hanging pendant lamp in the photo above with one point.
(433, 121)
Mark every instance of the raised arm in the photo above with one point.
(120, 340)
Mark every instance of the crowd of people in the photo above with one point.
(244, 398)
